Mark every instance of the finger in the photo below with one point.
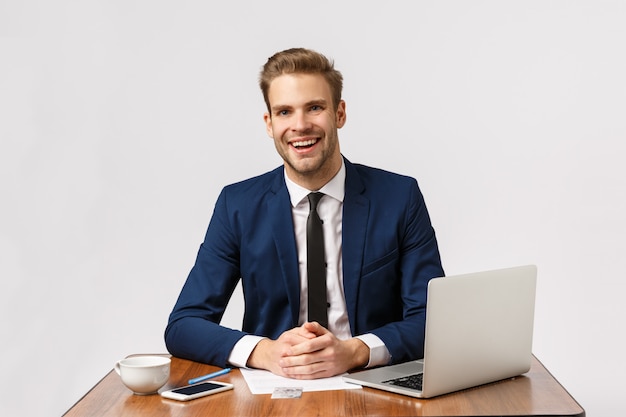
(311, 346)
(305, 334)
(293, 337)
(311, 371)
(315, 328)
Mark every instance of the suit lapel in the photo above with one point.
(279, 214)
(355, 214)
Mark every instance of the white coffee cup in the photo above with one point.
(144, 375)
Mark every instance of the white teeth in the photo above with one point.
(304, 143)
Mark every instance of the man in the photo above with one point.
(379, 247)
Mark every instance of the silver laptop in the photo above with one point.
(479, 329)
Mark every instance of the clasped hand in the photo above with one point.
(309, 352)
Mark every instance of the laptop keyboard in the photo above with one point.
(412, 381)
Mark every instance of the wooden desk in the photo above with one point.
(536, 393)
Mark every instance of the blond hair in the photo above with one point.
(304, 61)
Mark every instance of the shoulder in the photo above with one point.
(381, 174)
(256, 186)
(379, 180)
(250, 195)
(249, 198)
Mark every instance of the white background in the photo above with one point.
(120, 122)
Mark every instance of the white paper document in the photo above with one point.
(264, 382)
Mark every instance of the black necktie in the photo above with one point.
(316, 264)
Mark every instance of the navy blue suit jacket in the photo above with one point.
(389, 254)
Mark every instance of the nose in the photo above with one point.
(301, 122)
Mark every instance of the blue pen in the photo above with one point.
(209, 376)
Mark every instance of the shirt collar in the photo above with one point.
(334, 188)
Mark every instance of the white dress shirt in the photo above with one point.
(330, 210)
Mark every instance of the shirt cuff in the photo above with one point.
(242, 350)
(379, 355)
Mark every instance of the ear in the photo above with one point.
(340, 115)
(268, 125)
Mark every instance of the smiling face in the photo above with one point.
(303, 123)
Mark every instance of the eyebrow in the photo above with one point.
(316, 102)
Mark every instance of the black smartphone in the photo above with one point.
(191, 392)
